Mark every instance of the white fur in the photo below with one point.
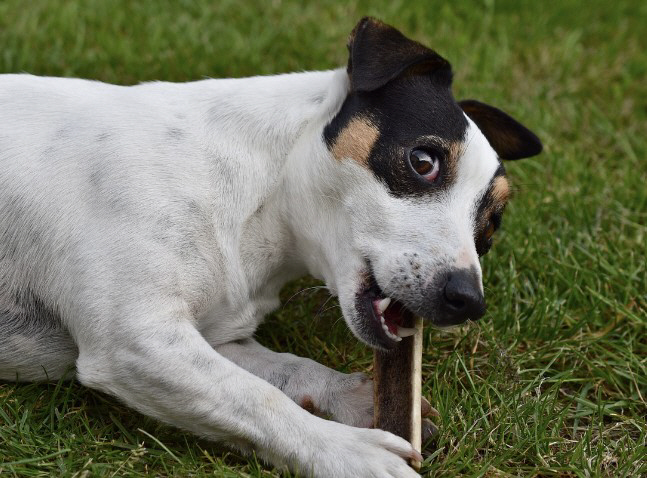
(159, 222)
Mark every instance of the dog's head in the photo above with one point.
(422, 185)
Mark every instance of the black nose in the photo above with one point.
(462, 298)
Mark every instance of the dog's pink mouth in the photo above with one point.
(383, 317)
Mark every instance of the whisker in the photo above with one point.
(331, 308)
(303, 290)
(321, 309)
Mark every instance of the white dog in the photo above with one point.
(145, 231)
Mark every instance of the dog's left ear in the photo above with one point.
(509, 138)
(379, 53)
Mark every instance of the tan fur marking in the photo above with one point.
(455, 149)
(501, 189)
(356, 140)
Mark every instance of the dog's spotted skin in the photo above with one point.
(145, 232)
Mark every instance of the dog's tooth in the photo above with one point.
(405, 332)
(388, 333)
(393, 337)
(383, 304)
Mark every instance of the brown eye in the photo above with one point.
(489, 229)
(424, 164)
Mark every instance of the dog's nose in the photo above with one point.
(462, 298)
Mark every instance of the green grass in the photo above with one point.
(553, 381)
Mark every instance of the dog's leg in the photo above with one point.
(164, 368)
(347, 398)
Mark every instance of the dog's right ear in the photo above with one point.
(378, 53)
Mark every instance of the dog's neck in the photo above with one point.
(270, 113)
(279, 240)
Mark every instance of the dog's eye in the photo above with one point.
(424, 164)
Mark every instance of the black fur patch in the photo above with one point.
(404, 88)
(379, 53)
(509, 138)
(407, 111)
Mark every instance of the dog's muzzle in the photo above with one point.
(453, 298)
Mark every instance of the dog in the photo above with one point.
(145, 231)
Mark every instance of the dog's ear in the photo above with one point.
(509, 138)
(378, 53)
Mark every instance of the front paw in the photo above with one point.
(351, 402)
(346, 452)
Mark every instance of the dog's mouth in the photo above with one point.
(384, 318)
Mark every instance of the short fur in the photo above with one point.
(145, 231)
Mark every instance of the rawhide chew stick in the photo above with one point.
(397, 379)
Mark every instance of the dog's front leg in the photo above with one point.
(165, 369)
(347, 398)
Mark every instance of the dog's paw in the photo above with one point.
(351, 403)
(429, 432)
(353, 452)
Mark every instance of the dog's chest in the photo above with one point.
(236, 315)
(251, 279)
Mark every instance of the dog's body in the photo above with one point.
(145, 231)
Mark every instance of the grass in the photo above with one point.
(553, 381)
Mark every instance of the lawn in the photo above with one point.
(553, 381)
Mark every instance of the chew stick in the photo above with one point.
(397, 388)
